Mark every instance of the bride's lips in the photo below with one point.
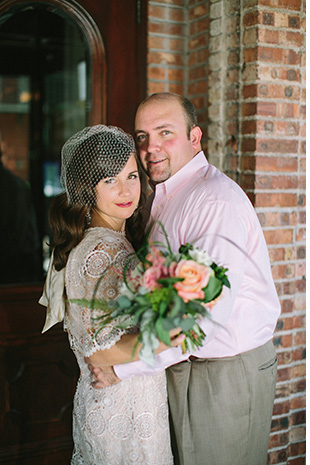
(124, 204)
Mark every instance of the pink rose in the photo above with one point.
(151, 276)
(172, 268)
(196, 277)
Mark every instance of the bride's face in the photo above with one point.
(118, 197)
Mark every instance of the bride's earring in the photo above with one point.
(88, 218)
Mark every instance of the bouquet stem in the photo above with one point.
(194, 339)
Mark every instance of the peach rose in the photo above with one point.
(196, 277)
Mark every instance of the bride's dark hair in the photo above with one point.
(68, 224)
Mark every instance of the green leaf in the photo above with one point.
(92, 304)
(168, 324)
(193, 307)
(168, 281)
(124, 302)
(178, 307)
(183, 250)
(163, 334)
(162, 307)
(166, 237)
(147, 317)
(213, 289)
(187, 323)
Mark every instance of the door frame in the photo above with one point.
(96, 47)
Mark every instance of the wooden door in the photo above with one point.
(38, 372)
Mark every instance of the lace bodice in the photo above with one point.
(100, 257)
(126, 423)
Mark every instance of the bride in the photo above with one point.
(126, 423)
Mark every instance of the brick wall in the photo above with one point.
(242, 63)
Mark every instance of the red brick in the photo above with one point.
(300, 338)
(266, 109)
(250, 19)
(276, 200)
(284, 358)
(203, 25)
(176, 88)
(279, 73)
(156, 73)
(175, 75)
(289, 4)
(299, 371)
(198, 11)
(276, 182)
(279, 236)
(284, 164)
(274, 55)
(278, 456)
(248, 163)
(249, 127)
(298, 386)
(277, 440)
(298, 448)
(288, 110)
(268, 36)
(298, 402)
(166, 28)
(277, 145)
(293, 38)
(176, 44)
(287, 306)
(176, 14)
(289, 128)
(281, 407)
(282, 272)
(297, 433)
(297, 461)
(277, 91)
(285, 324)
(248, 145)
(156, 12)
(283, 391)
(164, 58)
(278, 55)
(276, 254)
(154, 87)
(172, 2)
(249, 109)
(250, 54)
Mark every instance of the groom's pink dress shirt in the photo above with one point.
(202, 206)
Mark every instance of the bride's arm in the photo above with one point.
(122, 351)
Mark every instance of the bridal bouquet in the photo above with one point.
(166, 290)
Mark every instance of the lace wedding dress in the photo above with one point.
(126, 423)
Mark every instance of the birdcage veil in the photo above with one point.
(94, 153)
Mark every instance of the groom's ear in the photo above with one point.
(195, 137)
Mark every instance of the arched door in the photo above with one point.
(64, 65)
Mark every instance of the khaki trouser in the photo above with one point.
(221, 409)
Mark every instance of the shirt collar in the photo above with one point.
(183, 175)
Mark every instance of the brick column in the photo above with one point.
(167, 43)
(272, 173)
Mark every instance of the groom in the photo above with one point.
(221, 396)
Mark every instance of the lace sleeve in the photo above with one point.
(102, 271)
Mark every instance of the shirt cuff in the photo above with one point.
(163, 360)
